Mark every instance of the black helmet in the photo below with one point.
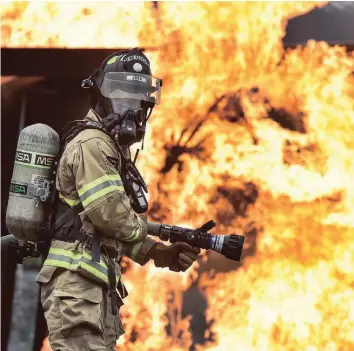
(126, 74)
(124, 61)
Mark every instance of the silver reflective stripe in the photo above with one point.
(76, 262)
(99, 187)
(135, 250)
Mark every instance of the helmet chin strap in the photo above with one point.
(147, 118)
(149, 114)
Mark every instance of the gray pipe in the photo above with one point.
(6, 240)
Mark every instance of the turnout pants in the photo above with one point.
(78, 312)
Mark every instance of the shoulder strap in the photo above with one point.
(70, 131)
(68, 215)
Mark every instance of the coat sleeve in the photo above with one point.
(139, 252)
(100, 190)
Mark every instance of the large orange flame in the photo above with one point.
(72, 24)
(229, 85)
(295, 292)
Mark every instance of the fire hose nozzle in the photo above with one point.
(232, 247)
(228, 245)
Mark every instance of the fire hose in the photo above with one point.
(229, 246)
(22, 250)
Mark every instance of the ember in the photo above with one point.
(273, 159)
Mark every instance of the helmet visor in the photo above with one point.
(122, 104)
(131, 85)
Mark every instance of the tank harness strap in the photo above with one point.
(67, 228)
(96, 248)
(112, 282)
(95, 125)
(68, 215)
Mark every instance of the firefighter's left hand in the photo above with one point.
(178, 257)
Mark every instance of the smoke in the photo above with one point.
(340, 6)
(333, 23)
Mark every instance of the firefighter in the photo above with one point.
(95, 223)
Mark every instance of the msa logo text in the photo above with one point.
(18, 189)
(23, 157)
(42, 160)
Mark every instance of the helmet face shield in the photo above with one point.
(124, 104)
(127, 85)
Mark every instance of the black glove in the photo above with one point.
(177, 257)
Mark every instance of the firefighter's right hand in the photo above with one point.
(178, 257)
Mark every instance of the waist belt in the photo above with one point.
(67, 228)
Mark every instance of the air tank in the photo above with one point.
(37, 148)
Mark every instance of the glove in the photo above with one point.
(178, 257)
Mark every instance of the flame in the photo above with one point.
(52, 24)
(294, 292)
(256, 137)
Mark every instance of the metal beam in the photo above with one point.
(52, 62)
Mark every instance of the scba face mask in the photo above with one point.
(127, 123)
